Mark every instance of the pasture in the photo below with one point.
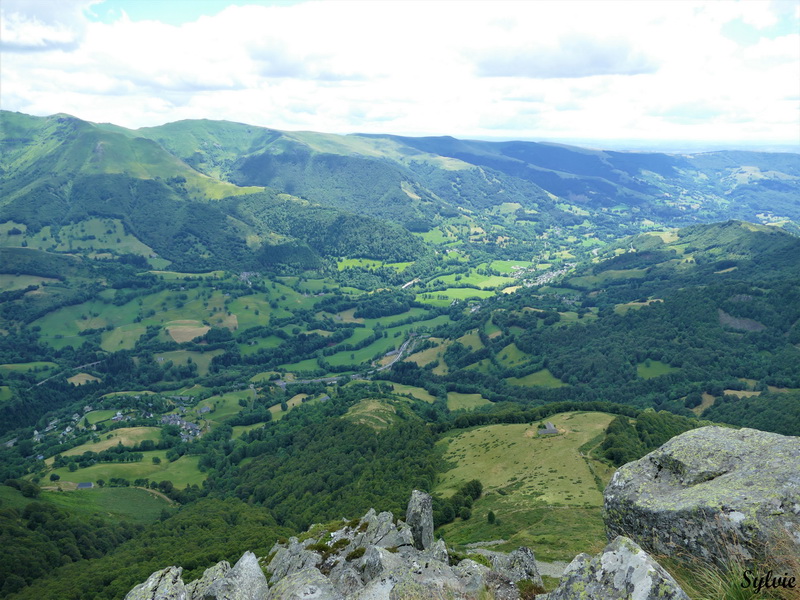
(511, 356)
(10, 282)
(653, 368)
(459, 401)
(5, 393)
(181, 473)
(543, 378)
(447, 296)
(417, 392)
(82, 378)
(545, 491)
(182, 358)
(121, 503)
(127, 436)
(372, 413)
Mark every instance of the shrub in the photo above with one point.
(356, 554)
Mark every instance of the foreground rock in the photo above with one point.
(712, 493)
(621, 572)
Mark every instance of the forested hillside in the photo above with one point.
(224, 334)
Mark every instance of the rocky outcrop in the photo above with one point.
(622, 571)
(419, 517)
(161, 585)
(710, 493)
(245, 581)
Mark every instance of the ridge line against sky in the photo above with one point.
(726, 72)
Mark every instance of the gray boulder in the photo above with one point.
(623, 571)
(245, 581)
(161, 585)
(712, 493)
(196, 590)
(291, 559)
(419, 517)
(308, 584)
(519, 565)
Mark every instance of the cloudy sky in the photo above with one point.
(721, 71)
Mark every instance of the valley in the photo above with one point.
(217, 325)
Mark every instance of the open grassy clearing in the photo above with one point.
(181, 473)
(482, 281)
(492, 330)
(594, 281)
(418, 392)
(436, 353)
(186, 330)
(20, 282)
(130, 504)
(309, 364)
(543, 378)
(256, 344)
(98, 416)
(511, 356)
(127, 436)
(653, 368)
(471, 340)
(5, 393)
(293, 402)
(220, 408)
(459, 401)
(82, 378)
(621, 309)
(121, 338)
(542, 490)
(178, 276)
(447, 296)
(510, 266)
(182, 357)
(239, 430)
(373, 413)
(43, 367)
(254, 310)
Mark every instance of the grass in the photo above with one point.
(508, 266)
(254, 345)
(127, 436)
(436, 353)
(544, 492)
(5, 393)
(181, 473)
(186, 330)
(27, 367)
(222, 407)
(182, 357)
(239, 430)
(543, 378)
(511, 356)
(373, 413)
(121, 338)
(98, 416)
(471, 340)
(81, 378)
(459, 401)
(293, 402)
(418, 392)
(20, 282)
(129, 504)
(654, 368)
(446, 297)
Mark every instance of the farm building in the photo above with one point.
(85, 485)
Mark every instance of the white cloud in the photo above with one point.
(525, 70)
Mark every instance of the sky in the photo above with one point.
(673, 72)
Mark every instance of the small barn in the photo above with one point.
(550, 429)
(85, 485)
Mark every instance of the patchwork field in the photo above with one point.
(181, 473)
(544, 491)
(127, 436)
(543, 378)
(418, 392)
(182, 357)
(653, 368)
(373, 413)
(458, 401)
(82, 378)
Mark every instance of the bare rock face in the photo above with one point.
(712, 493)
(161, 585)
(196, 590)
(623, 571)
(245, 581)
(308, 584)
(419, 516)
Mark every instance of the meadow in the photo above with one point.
(653, 368)
(543, 378)
(545, 491)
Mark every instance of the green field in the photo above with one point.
(458, 401)
(131, 504)
(418, 392)
(482, 281)
(239, 430)
(511, 356)
(127, 436)
(254, 345)
(42, 367)
(20, 282)
(181, 473)
(121, 338)
(373, 413)
(5, 393)
(507, 266)
(446, 297)
(543, 378)
(545, 494)
(654, 368)
(97, 416)
(221, 407)
(181, 357)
